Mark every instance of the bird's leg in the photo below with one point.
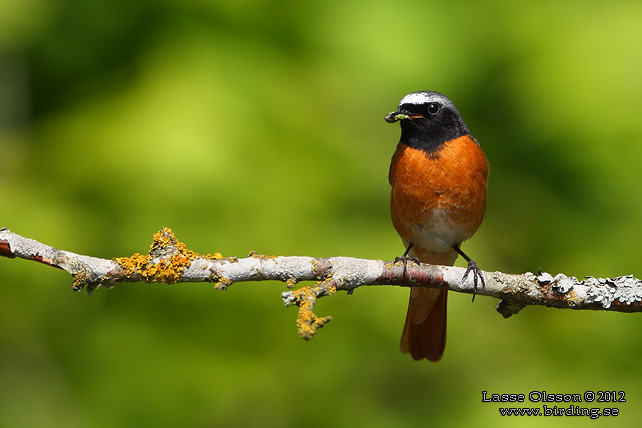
(404, 259)
(472, 267)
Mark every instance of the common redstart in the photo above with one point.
(438, 178)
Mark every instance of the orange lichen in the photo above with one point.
(134, 263)
(572, 298)
(324, 287)
(307, 322)
(223, 283)
(215, 256)
(256, 255)
(166, 261)
(290, 282)
(80, 279)
(330, 290)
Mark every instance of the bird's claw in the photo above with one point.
(478, 276)
(404, 261)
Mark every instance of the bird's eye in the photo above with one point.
(433, 108)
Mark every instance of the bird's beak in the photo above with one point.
(401, 115)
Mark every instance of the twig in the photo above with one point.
(168, 261)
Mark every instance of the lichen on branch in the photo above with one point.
(307, 321)
(166, 260)
(169, 261)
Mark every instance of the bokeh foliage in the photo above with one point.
(254, 125)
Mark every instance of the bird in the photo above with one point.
(438, 177)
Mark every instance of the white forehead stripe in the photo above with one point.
(417, 98)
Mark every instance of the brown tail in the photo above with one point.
(424, 334)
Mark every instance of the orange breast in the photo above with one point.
(438, 199)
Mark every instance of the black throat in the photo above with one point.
(430, 135)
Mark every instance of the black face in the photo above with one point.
(428, 119)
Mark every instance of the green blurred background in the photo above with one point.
(247, 125)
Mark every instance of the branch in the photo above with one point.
(168, 261)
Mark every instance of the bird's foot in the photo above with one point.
(405, 259)
(478, 276)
